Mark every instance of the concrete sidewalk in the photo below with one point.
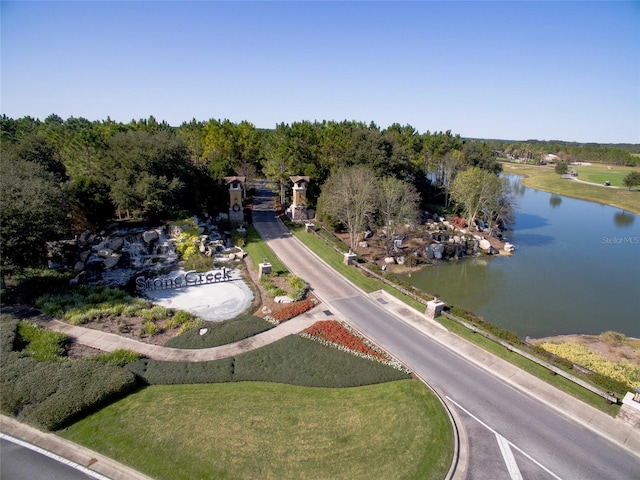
(615, 430)
(109, 342)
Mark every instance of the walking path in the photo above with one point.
(109, 342)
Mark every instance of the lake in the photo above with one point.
(576, 269)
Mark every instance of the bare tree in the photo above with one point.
(349, 197)
(398, 203)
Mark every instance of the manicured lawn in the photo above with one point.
(598, 173)
(258, 250)
(255, 430)
(544, 178)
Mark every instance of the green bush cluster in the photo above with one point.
(299, 288)
(220, 333)
(189, 239)
(496, 331)
(541, 352)
(270, 287)
(292, 360)
(118, 358)
(52, 394)
(609, 384)
(86, 303)
(40, 344)
(183, 320)
(8, 332)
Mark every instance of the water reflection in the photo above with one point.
(555, 201)
(624, 219)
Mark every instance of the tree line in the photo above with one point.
(65, 176)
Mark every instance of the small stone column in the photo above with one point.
(309, 227)
(349, 258)
(264, 268)
(434, 308)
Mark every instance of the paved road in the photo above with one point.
(510, 433)
(20, 463)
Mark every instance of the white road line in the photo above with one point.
(58, 458)
(497, 435)
(509, 459)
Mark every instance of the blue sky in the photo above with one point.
(511, 70)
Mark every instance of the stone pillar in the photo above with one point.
(434, 308)
(309, 227)
(349, 258)
(630, 410)
(298, 207)
(264, 268)
(236, 194)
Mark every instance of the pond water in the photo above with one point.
(576, 269)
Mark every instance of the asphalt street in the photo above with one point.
(510, 434)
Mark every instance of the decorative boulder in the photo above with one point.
(115, 243)
(389, 260)
(111, 261)
(149, 236)
(485, 245)
(438, 250)
(283, 299)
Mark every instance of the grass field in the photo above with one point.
(258, 250)
(544, 178)
(269, 431)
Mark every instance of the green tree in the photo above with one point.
(631, 179)
(561, 168)
(33, 213)
(482, 194)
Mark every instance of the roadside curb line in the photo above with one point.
(89, 462)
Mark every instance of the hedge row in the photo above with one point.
(501, 333)
(292, 360)
(53, 394)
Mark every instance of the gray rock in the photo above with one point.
(484, 244)
(438, 250)
(111, 261)
(115, 243)
(149, 236)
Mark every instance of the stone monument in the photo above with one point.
(236, 195)
(298, 209)
(434, 308)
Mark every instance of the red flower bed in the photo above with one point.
(293, 310)
(335, 332)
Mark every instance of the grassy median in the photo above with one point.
(255, 430)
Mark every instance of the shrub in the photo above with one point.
(54, 394)
(8, 333)
(155, 313)
(41, 344)
(118, 358)
(299, 287)
(292, 360)
(623, 371)
(149, 328)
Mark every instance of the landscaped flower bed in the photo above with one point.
(336, 334)
(292, 310)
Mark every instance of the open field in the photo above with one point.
(259, 430)
(544, 178)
